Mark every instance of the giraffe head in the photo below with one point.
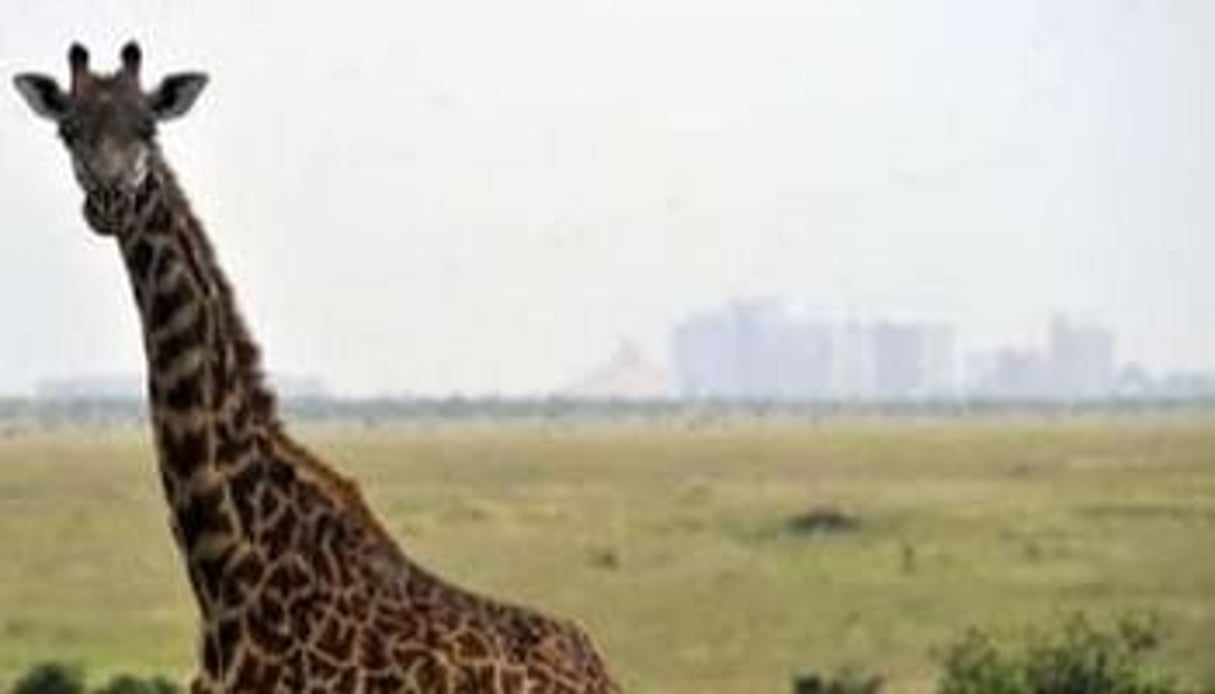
(108, 121)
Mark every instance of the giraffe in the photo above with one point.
(298, 586)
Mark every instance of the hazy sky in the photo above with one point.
(485, 196)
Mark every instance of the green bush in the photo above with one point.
(975, 664)
(58, 678)
(128, 684)
(1078, 659)
(51, 678)
(846, 681)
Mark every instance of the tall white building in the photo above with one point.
(735, 352)
(852, 372)
(1081, 359)
(912, 360)
(892, 361)
(757, 351)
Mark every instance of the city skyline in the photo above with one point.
(478, 197)
(761, 349)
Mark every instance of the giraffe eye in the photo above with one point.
(145, 129)
(69, 131)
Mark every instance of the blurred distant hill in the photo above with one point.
(627, 375)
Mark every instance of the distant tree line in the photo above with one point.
(110, 411)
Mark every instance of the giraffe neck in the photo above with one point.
(212, 415)
(201, 356)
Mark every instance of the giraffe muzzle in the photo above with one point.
(107, 210)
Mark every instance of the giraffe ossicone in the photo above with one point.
(298, 585)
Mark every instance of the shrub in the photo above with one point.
(1079, 659)
(823, 521)
(128, 684)
(51, 678)
(846, 681)
(975, 665)
(58, 678)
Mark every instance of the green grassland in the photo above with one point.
(672, 540)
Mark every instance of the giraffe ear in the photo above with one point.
(43, 95)
(176, 94)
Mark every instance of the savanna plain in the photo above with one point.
(706, 554)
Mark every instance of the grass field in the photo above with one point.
(672, 541)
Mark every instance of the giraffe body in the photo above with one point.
(299, 587)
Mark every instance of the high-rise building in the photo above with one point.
(700, 353)
(941, 378)
(758, 351)
(851, 364)
(805, 362)
(1081, 360)
(741, 351)
(912, 360)
(1021, 374)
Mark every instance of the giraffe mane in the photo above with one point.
(262, 398)
(341, 489)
